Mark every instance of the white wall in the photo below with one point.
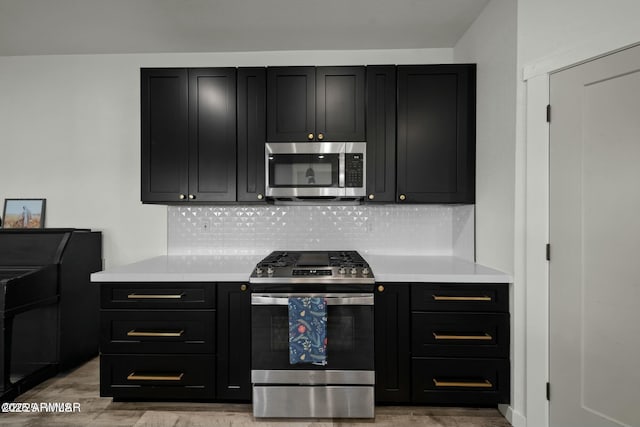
(552, 34)
(491, 43)
(70, 133)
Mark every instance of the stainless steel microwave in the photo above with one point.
(298, 171)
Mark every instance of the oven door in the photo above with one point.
(349, 332)
(305, 169)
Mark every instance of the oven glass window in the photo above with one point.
(349, 338)
(304, 170)
(340, 333)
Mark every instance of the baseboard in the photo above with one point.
(515, 418)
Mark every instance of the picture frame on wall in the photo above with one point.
(24, 213)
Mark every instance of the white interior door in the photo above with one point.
(594, 228)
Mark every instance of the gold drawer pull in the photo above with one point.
(470, 384)
(451, 298)
(134, 333)
(155, 296)
(142, 377)
(484, 337)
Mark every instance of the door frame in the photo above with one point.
(532, 211)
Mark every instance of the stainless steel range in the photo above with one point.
(342, 385)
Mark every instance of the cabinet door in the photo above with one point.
(436, 134)
(340, 104)
(212, 140)
(251, 133)
(291, 101)
(381, 133)
(234, 342)
(164, 134)
(392, 343)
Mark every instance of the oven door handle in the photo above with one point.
(331, 299)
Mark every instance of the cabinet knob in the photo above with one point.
(310, 137)
(380, 288)
(320, 136)
(191, 197)
(260, 196)
(243, 288)
(182, 197)
(402, 197)
(371, 197)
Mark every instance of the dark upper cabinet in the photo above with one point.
(165, 134)
(188, 135)
(252, 89)
(436, 134)
(381, 133)
(392, 343)
(315, 104)
(234, 342)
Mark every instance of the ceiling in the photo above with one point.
(45, 27)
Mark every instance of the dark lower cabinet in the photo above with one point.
(460, 343)
(392, 343)
(157, 340)
(234, 342)
(436, 134)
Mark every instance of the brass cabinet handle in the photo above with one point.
(452, 298)
(402, 197)
(260, 196)
(371, 197)
(320, 136)
(182, 197)
(243, 288)
(466, 384)
(149, 377)
(134, 333)
(191, 197)
(380, 288)
(484, 337)
(154, 296)
(310, 136)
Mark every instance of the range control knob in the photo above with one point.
(365, 271)
(354, 270)
(342, 270)
(269, 270)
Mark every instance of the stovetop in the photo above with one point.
(313, 267)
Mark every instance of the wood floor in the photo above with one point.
(82, 386)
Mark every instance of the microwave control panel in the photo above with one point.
(354, 168)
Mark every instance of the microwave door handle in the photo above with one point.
(357, 299)
(341, 160)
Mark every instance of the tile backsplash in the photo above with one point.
(386, 229)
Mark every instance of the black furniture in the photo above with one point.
(48, 308)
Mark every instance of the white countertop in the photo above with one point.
(440, 269)
(183, 268)
(237, 268)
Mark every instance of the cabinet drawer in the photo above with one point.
(157, 295)
(157, 331)
(460, 297)
(157, 376)
(460, 334)
(460, 381)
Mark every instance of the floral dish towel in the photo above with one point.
(307, 330)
